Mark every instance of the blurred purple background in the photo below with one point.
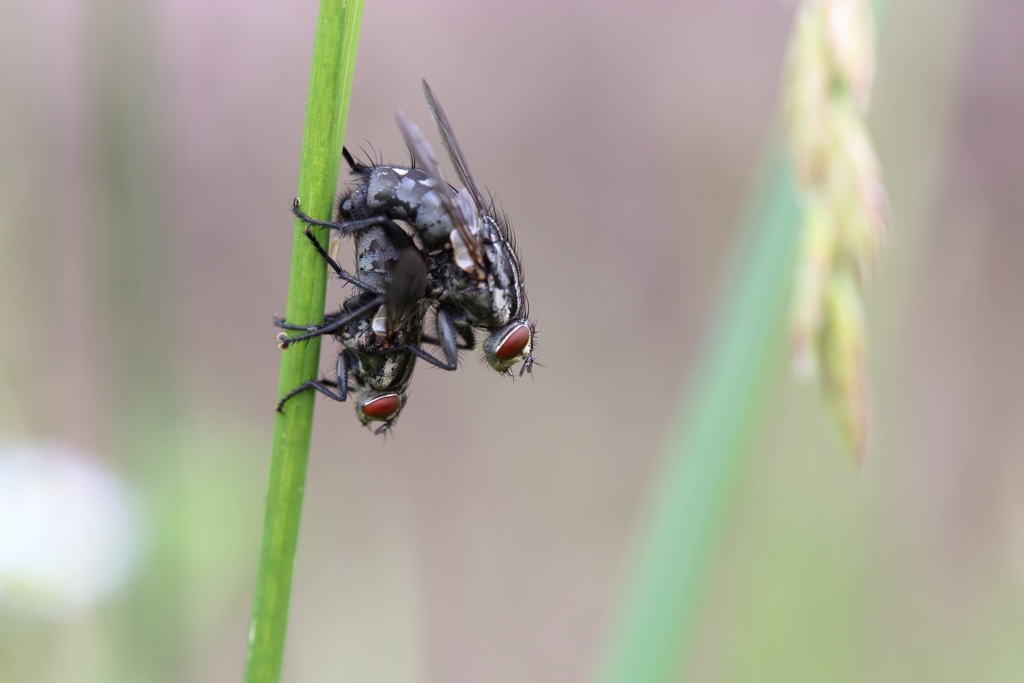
(148, 156)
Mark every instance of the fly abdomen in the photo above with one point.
(375, 258)
(409, 194)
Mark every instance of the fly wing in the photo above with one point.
(424, 155)
(408, 284)
(451, 145)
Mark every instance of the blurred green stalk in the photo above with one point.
(330, 88)
(708, 445)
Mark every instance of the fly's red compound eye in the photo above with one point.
(383, 408)
(514, 344)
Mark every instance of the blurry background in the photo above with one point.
(148, 155)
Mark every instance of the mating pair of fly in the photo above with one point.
(465, 266)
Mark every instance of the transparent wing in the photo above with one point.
(408, 284)
(451, 145)
(427, 161)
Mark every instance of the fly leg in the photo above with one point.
(452, 334)
(347, 277)
(451, 337)
(324, 386)
(288, 326)
(328, 326)
(467, 341)
(451, 364)
(447, 337)
(399, 238)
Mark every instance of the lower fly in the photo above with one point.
(380, 328)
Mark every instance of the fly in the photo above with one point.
(474, 270)
(380, 329)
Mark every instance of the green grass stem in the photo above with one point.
(330, 87)
(706, 449)
(709, 444)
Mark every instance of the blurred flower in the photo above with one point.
(845, 375)
(851, 35)
(68, 531)
(829, 74)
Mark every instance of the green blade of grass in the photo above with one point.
(706, 448)
(330, 87)
(708, 445)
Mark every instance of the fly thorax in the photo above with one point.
(391, 190)
(503, 285)
(380, 186)
(361, 341)
(380, 371)
(489, 231)
(391, 370)
(471, 295)
(502, 305)
(397, 370)
(371, 369)
(460, 251)
(354, 204)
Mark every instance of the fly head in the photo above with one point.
(379, 406)
(510, 344)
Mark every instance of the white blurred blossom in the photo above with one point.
(68, 530)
